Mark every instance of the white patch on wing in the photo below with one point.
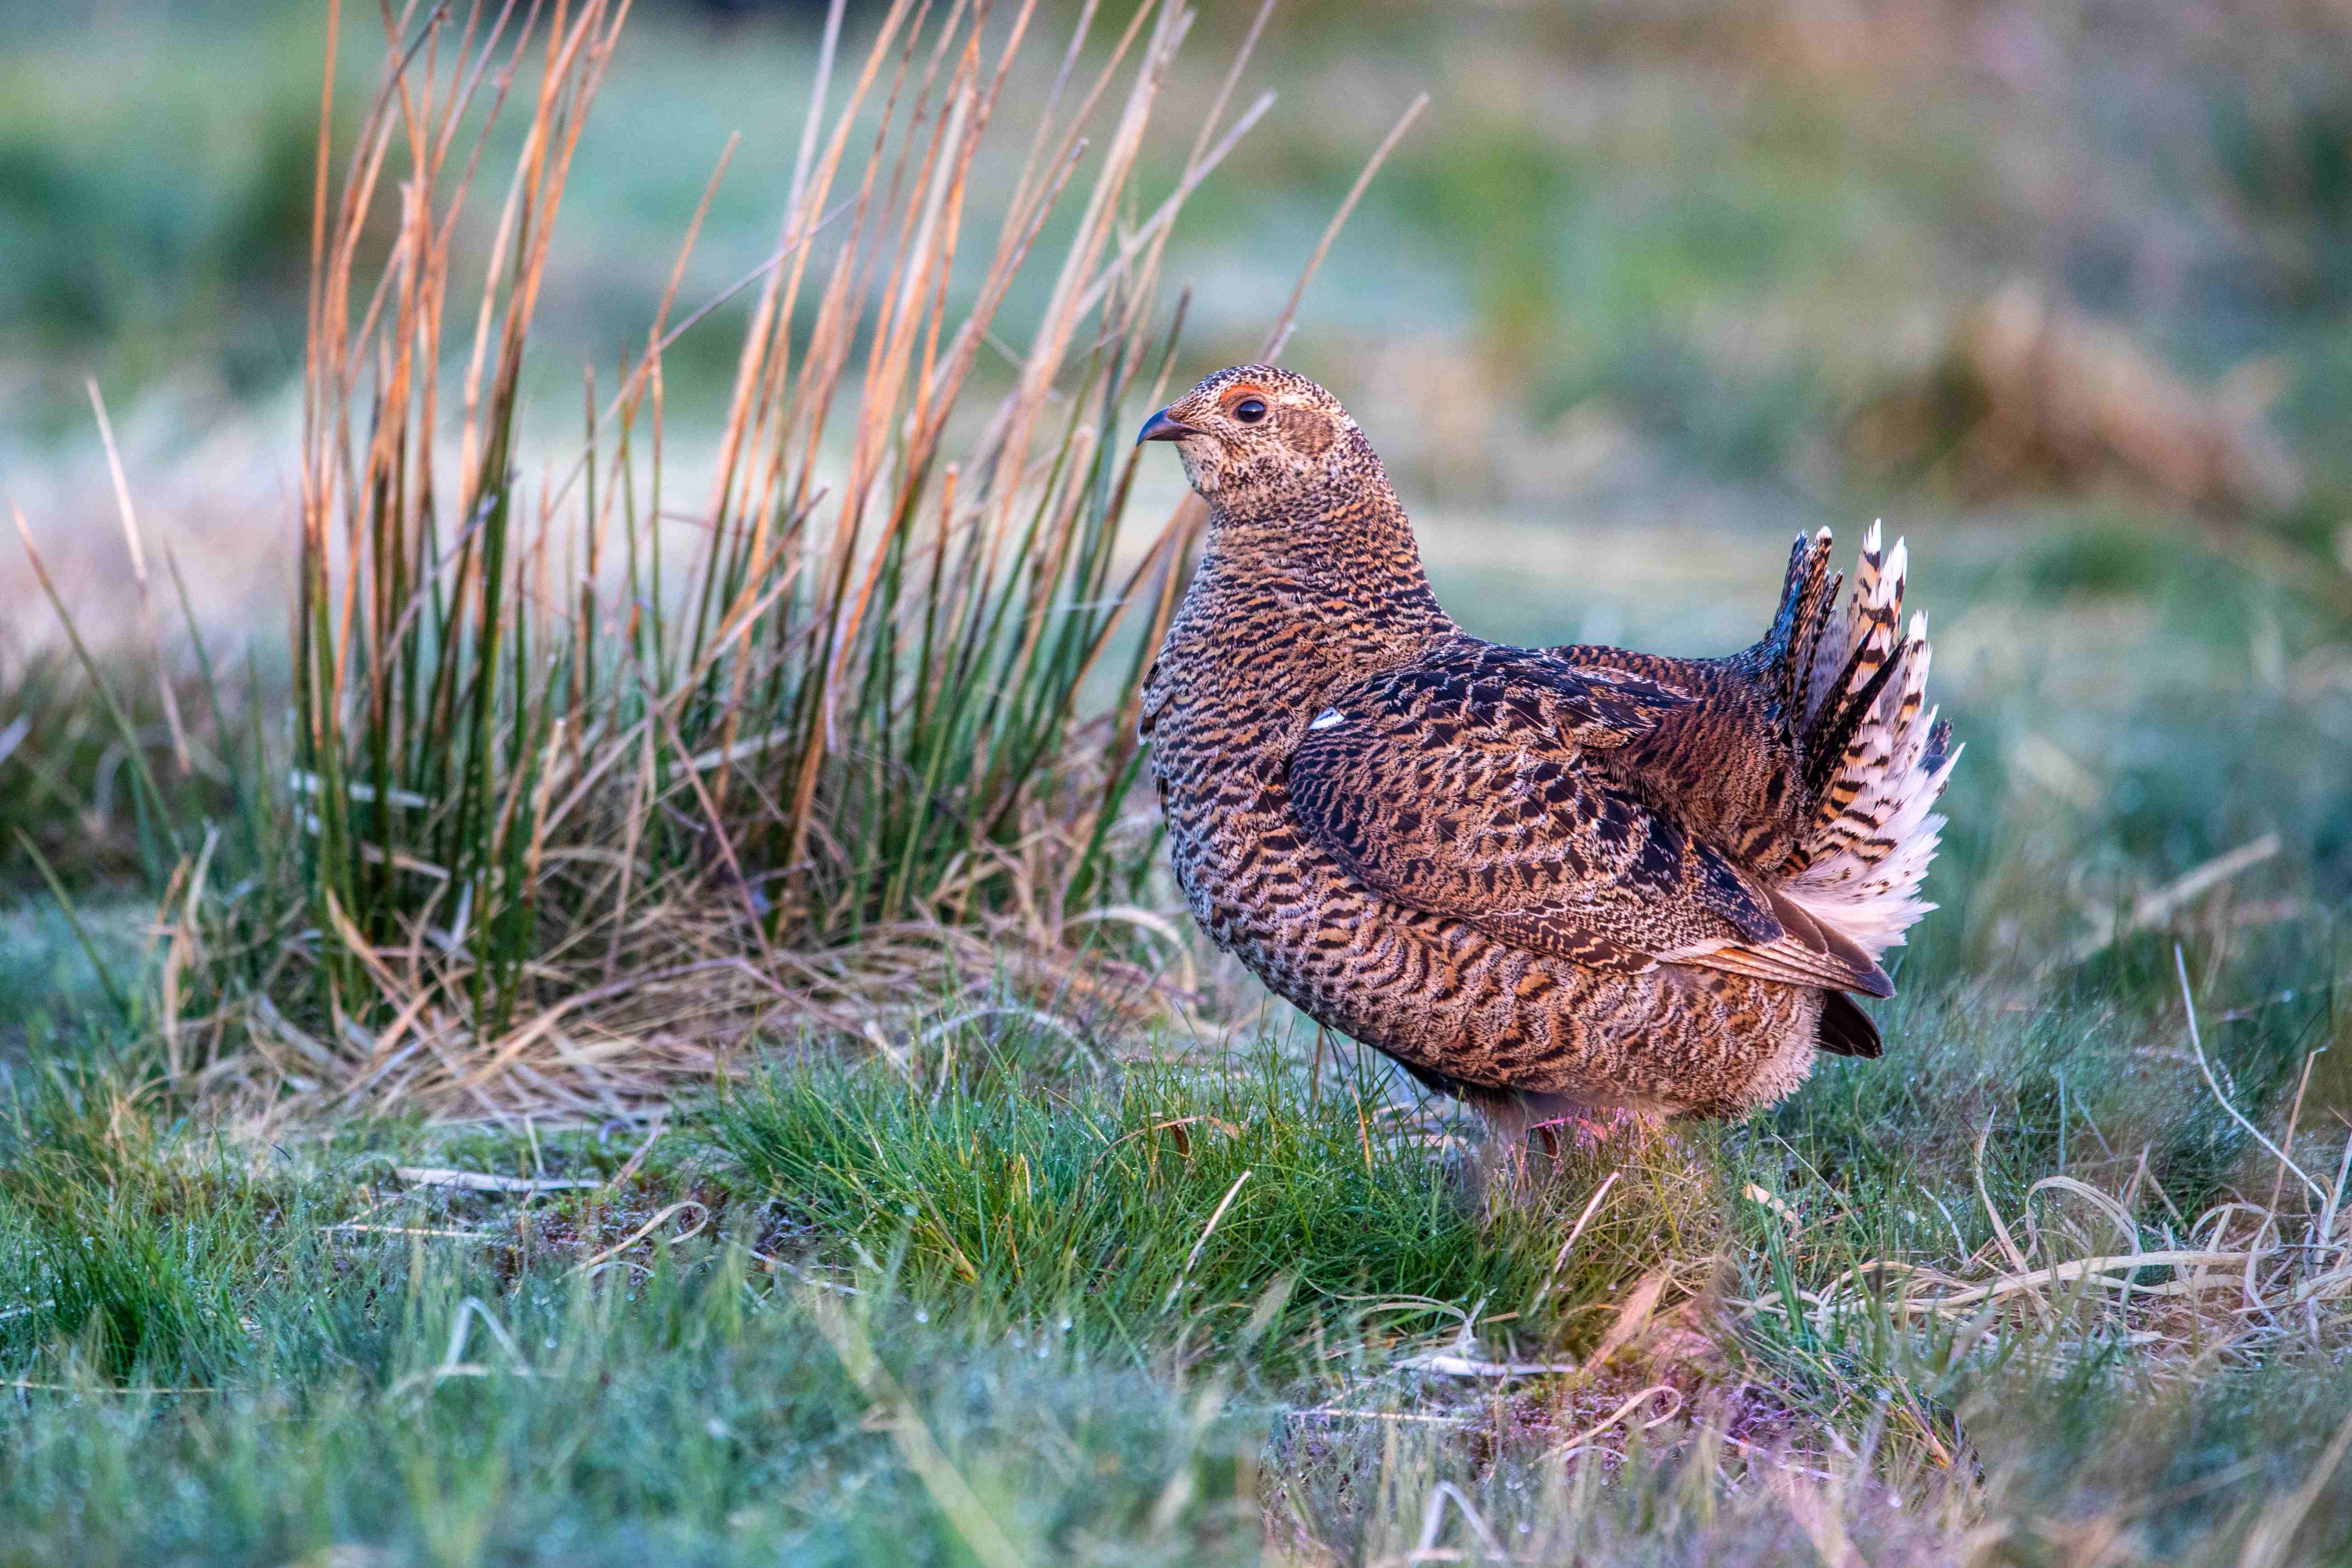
(1328, 717)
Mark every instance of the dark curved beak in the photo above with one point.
(1162, 426)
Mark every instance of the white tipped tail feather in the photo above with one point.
(1876, 758)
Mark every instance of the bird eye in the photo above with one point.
(1249, 410)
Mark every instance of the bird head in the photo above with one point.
(1253, 437)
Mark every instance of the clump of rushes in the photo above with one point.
(580, 810)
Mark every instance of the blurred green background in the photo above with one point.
(1684, 235)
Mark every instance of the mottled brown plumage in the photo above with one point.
(1547, 880)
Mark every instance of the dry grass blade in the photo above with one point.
(138, 548)
(2238, 1279)
(1284, 322)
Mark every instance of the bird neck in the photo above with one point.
(1340, 551)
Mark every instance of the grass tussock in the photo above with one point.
(591, 779)
(1230, 1204)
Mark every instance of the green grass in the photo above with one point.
(1100, 1374)
(678, 1404)
(1207, 1203)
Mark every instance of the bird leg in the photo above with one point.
(1534, 1131)
(1555, 1121)
(1590, 1129)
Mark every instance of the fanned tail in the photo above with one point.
(1853, 693)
